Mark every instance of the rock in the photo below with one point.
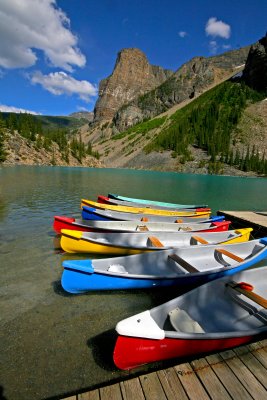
(255, 72)
(132, 76)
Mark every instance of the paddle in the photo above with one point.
(239, 287)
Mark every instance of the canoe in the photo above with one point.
(126, 243)
(181, 266)
(61, 222)
(228, 312)
(152, 202)
(185, 207)
(143, 210)
(103, 215)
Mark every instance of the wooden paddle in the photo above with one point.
(248, 293)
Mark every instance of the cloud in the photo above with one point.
(12, 109)
(61, 83)
(226, 46)
(217, 28)
(36, 24)
(213, 46)
(182, 34)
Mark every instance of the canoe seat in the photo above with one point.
(117, 268)
(153, 241)
(199, 239)
(144, 219)
(229, 254)
(182, 322)
(178, 221)
(142, 228)
(180, 261)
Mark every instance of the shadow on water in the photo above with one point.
(58, 289)
(102, 347)
(2, 397)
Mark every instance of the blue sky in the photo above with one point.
(53, 53)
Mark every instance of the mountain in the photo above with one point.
(198, 119)
(83, 115)
(132, 76)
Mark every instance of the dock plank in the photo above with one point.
(209, 379)
(152, 387)
(190, 382)
(132, 390)
(92, 395)
(245, 376)
(112, 392)
(228, 378)
(253, 364)
(171, 384)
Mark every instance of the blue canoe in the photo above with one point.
(96, 214)
(152, 202)
(180, 266)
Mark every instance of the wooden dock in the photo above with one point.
(245, 219)
(240, 373)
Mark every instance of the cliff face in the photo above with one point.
(190, 80)
(131, 77)
(255, 72)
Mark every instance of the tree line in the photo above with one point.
(32, 129)
(208, 123)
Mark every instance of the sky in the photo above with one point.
(54, 53)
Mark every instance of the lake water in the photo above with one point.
(52, 343)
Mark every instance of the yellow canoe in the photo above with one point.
(141, 210)
(128, 243)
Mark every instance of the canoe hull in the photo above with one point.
(90, 213)
(132, 352)
(135, 226)
(123, 244)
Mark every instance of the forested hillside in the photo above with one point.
(208, 123)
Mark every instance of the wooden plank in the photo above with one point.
(190, 382)
(132, 390)
(183, 263)
(200, 240)
(209, 379)
(92, 395)
(251, 295)
(152, 387)
(253, 364)
(230, 255)
(71, 398)
(155, 241)
(227, 377)
(112, 392)
(171, 384)
(245, 376)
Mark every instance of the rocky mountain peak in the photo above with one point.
(255, 72)
(132, 76)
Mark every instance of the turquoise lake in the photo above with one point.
(54, 344)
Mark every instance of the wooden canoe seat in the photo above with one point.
(229, 254)
(200, 240)
(183, 263)
(178, 221)
(248, 293)
(142, 228)
(154, 241)
(144, 219)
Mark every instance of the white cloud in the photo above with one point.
(213, 46)
(182, 34)
(217, 28)
(61, 83)
(12, 109)
(36, 24)
(226, 46)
